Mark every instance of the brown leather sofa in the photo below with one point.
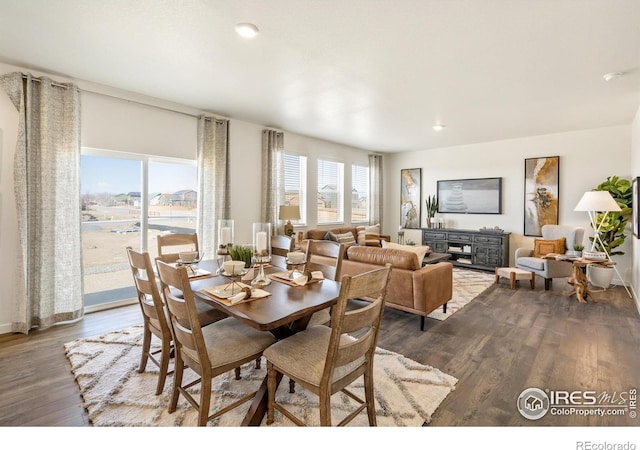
(412, 288)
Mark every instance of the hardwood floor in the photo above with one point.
(501, 343)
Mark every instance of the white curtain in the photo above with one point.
(272, 176)
(47, 190)
(213, 180)
(375, 189)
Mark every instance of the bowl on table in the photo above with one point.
(233, 267)
(188, 257)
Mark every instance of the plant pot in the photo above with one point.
(599, 276)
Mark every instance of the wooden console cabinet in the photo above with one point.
(470, 248)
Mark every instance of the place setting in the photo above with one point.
(235, 291)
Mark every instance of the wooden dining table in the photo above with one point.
(283, 313)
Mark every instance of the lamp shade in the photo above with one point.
(289, 213)
(597, 201)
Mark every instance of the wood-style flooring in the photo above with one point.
(501, 343)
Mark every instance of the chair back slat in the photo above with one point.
(325, 256)
(170, 245)
(351, 351)
(362, 317)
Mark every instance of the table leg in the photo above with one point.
(258, 408)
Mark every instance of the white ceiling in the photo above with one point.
(375, 74)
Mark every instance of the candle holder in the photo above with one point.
(262, 252)
(225, 241)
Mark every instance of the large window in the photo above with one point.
(127, 200)
(330, 192)
(359, 193)
(295, 184)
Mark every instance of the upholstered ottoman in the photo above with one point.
(515, 274)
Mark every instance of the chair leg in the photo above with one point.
(421, 323)
(164, 365)
(146, 347)
(258, 363)
(271, 389)
(177, 382)
(325, 408)
(205, 400)
(444, 308)
(369, 397)
(292, 386)
(237, 371)
(547, 283)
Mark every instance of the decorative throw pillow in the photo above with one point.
(543, 247)
(420, 250)
(345, 238)
(331, 236)
(369, 232)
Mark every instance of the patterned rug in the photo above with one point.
(467, 285)
(115, 394)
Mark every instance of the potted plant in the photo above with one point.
(241, 253)
(432, 209)
(577, 248)
(612, 228)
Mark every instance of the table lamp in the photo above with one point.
(289, 213)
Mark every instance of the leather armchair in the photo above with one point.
(549, 268)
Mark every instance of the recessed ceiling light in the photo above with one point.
(247, 30)
(438, 127)
(612, 75)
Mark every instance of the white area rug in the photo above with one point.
(467, 285)
(115, 394)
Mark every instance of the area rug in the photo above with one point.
(115, 394)
(467, 285)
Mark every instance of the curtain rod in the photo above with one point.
(53, 83)
(197, 116)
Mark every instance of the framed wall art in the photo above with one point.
(410, 197)
(541, 193)
(470, 196)
(635, 186)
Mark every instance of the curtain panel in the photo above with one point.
(375, 189)
(272, 176)
(213, 180)
(47, 191)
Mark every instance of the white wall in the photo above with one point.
(112, 123)
(635, 171)
(586, 159)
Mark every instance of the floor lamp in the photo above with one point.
(594, 202)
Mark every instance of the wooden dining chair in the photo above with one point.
(280, 246)
(326, 360)
(170, 245)
(153, 314)
(209, 351)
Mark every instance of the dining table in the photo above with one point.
(284, 312)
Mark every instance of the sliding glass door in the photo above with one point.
(127, 200)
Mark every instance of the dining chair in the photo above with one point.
(209, 351)
(326, 360)
(280, 246)
(170, 245)
(155, 320)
